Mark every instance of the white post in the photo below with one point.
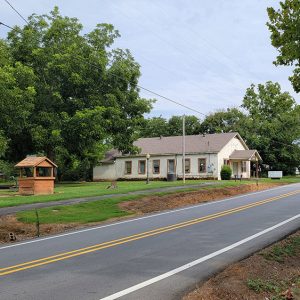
(183, 148)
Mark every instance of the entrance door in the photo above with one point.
(235, 168)
(171, 166)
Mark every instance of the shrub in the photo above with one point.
(226, 173)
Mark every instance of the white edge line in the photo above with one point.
(142, 218)
(195, 262)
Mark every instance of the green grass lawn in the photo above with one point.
(66, 191)
(102, 210)
(88, 212)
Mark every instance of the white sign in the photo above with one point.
(274, 174)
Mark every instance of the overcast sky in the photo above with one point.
(203, 54)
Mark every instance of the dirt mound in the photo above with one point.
(9, 224)
(158, 203)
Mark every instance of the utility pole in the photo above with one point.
(183, 149)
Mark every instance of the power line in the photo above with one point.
(1, 23)
(16, 11)
(173, 101)
(143, 88)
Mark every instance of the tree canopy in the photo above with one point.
(159, 126)
(272, 125)
(268, 120)
(284, 25)
(67, 94)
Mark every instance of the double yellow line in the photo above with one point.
(97, 247)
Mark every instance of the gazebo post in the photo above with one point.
(256, 168)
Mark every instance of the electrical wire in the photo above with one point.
(16, 11)
(1, 23)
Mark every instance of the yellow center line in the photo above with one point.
(112, 243)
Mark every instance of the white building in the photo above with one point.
(204, 157)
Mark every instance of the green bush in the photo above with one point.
(226, 173)
(8, 170)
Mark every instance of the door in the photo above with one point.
(171, 166)
(235, 168)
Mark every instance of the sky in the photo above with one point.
(203, 54)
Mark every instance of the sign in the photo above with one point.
(275, 174)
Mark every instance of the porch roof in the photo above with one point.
(251, 155)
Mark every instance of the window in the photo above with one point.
(171, 166)
(142, 166)
(26, 172)
(226, 162)
(128, 167)
(202, 165)
(244, 166)
(156, 166)
(43, 172)
(187, 165)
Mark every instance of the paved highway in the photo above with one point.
(158, 256)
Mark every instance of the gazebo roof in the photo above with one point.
(33, 161)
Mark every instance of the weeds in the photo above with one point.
(280, 253)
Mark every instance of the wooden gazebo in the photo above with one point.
(36, 175)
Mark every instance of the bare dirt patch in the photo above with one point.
(9, 224)
(158, 203)
(261, 276)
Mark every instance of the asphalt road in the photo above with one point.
(158, 256)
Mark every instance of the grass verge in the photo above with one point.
(101, 210)
(82, 190)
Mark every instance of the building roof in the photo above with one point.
(209, 143)
(33, 161)
(109, 156)
(245, 155)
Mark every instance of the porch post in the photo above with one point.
(256, 168)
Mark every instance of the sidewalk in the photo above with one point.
(14, 209)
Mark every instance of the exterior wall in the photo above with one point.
(214, 163)
(26, 186)
(117, 170)
(234, 144)
(44, 186)
(36, 186)
(105, 172)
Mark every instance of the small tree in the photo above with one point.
(226, 172)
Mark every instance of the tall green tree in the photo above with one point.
(272, 125)
(159, 126)
(224, 121)
(75, 94)
(154, 127)
(284, 25)
(192, 125)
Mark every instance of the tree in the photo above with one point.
(192, 125)
(75, 94)
(154, 127)
(272, 125)
(158, 126)
(3, 144)
(224, 121)
(284, 25)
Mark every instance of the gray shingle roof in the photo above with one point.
(245, 155)
(194, 143)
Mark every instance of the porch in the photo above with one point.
(240, 162)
